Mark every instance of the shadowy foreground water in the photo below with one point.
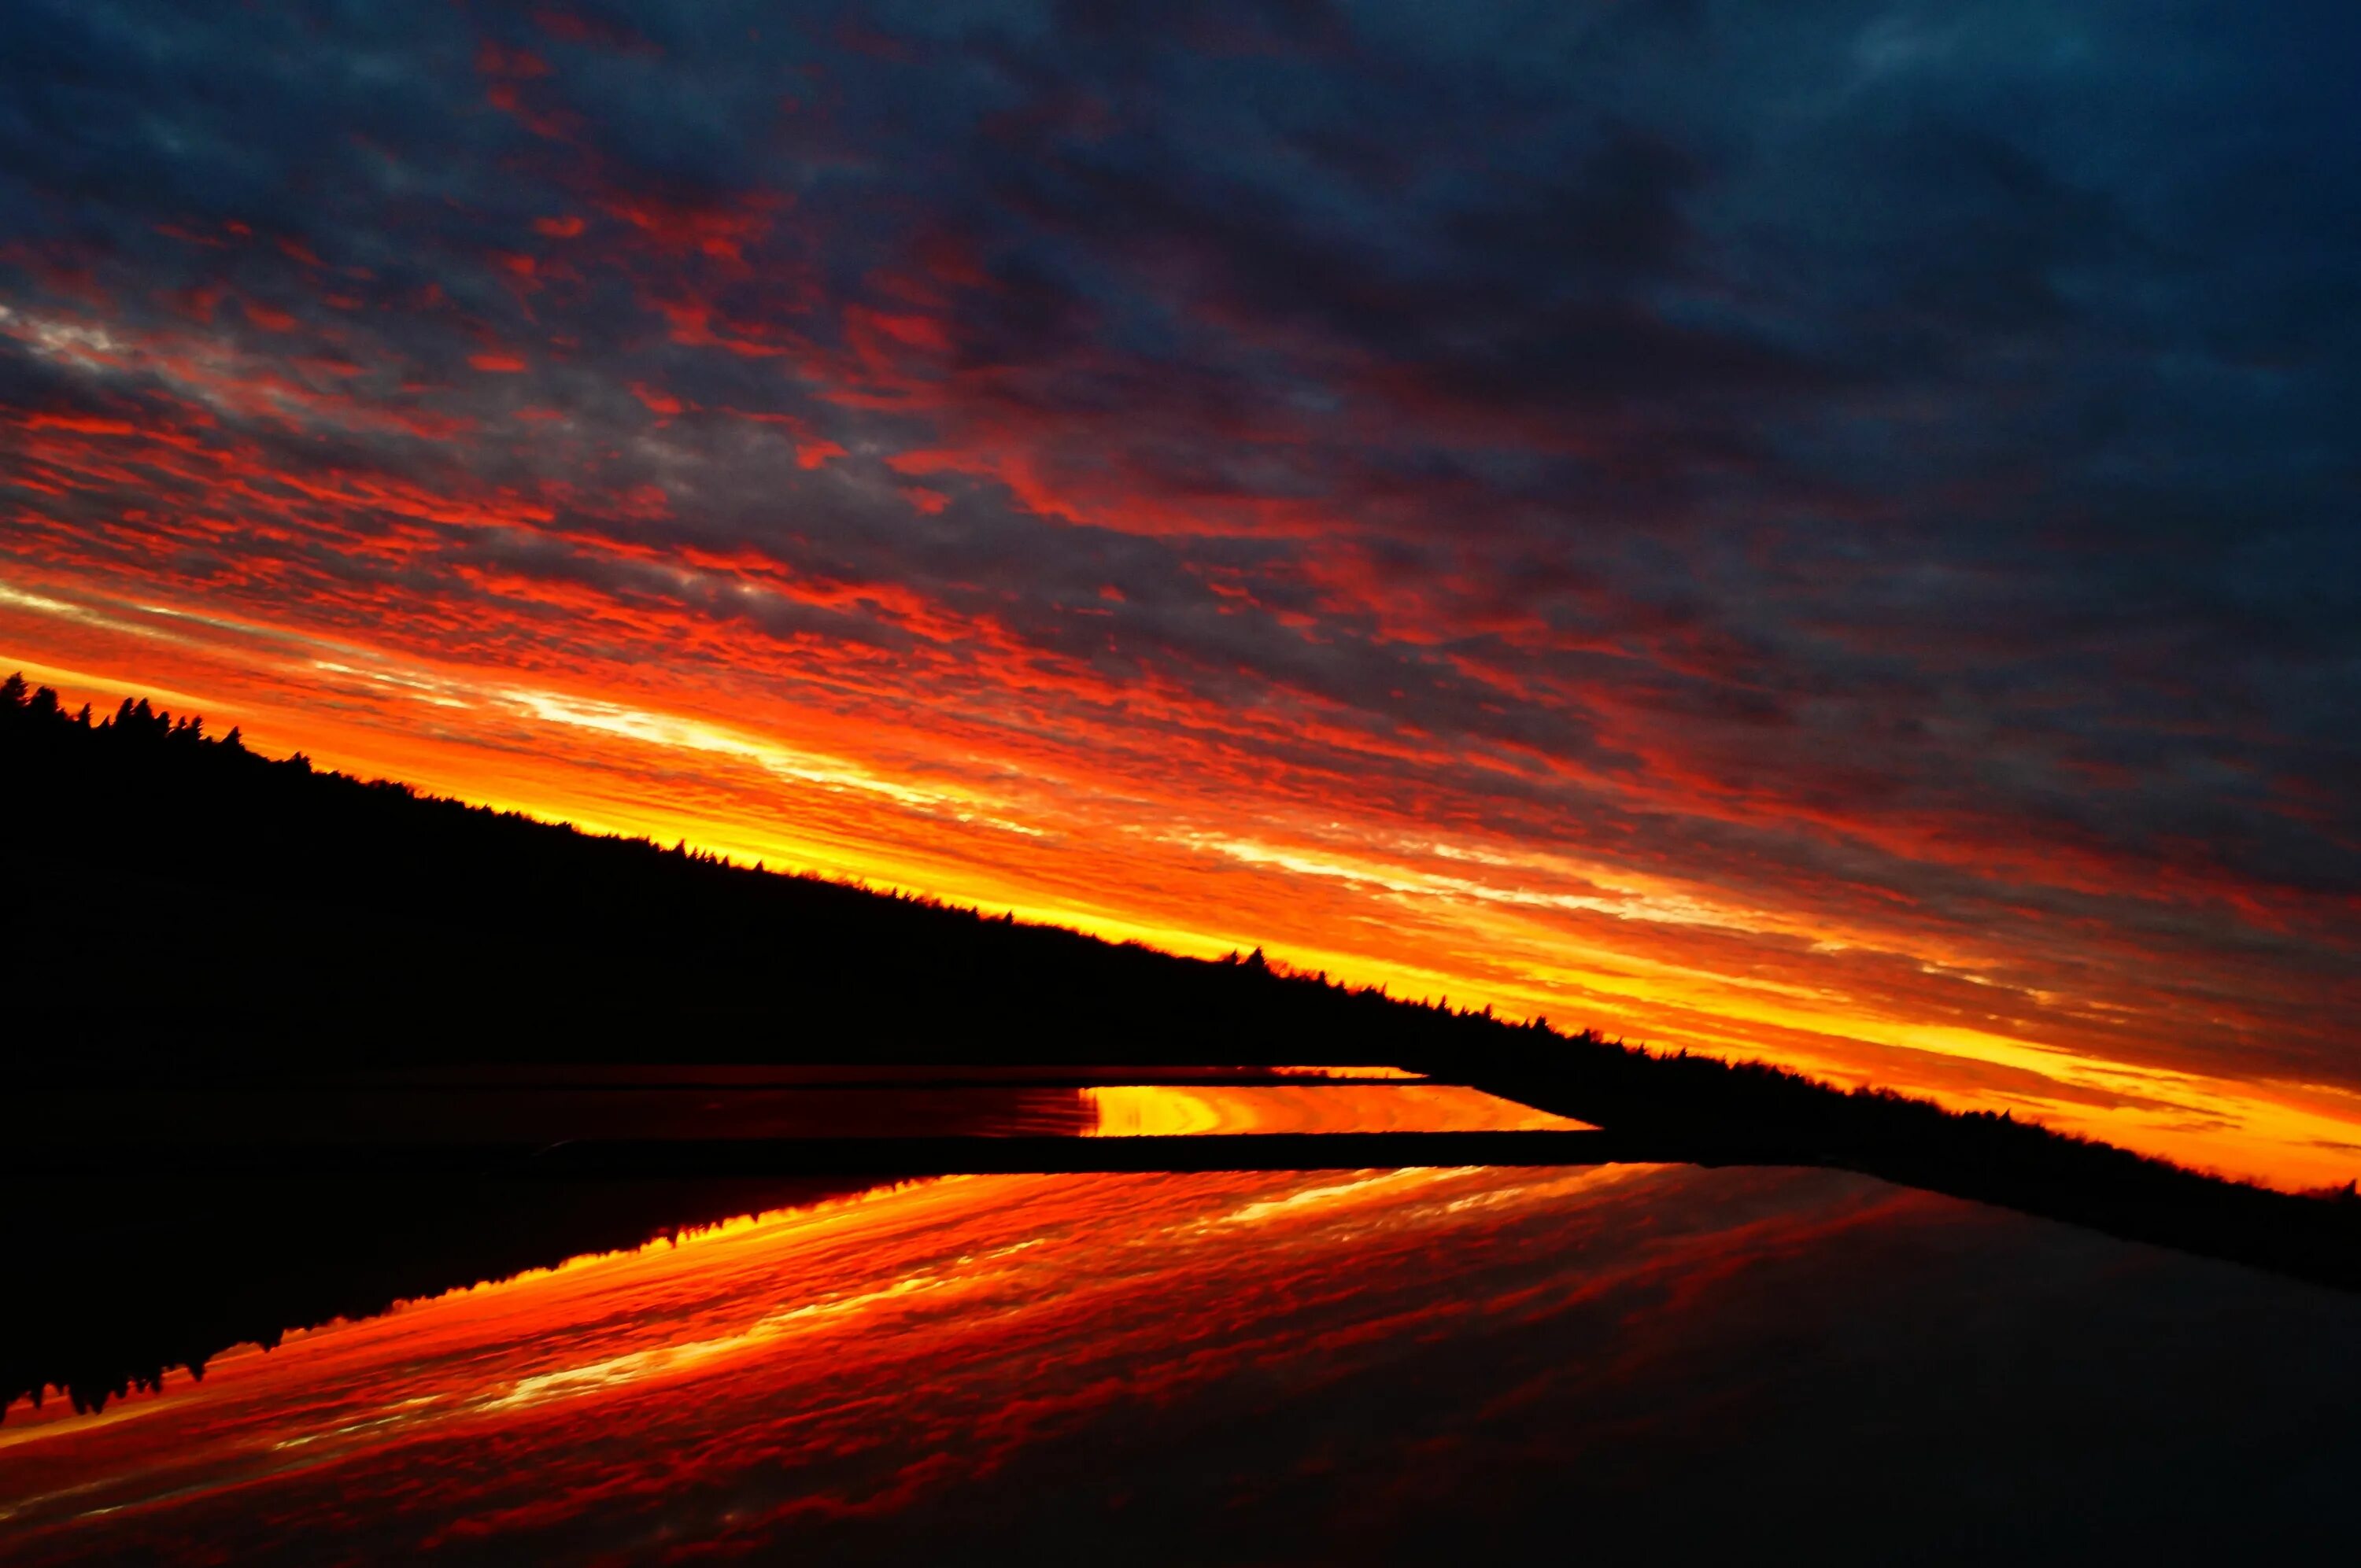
(1385, 1365)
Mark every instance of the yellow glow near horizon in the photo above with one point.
(1425, 915)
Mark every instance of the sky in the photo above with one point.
(1819, 532)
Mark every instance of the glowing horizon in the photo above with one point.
(597, 757)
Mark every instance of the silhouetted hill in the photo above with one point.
(189, 902)
(181, 905)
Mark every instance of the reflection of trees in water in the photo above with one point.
(128, 1281)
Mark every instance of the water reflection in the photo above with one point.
(148, 1276)
(556, 1108)
(523, 1110)
(1387, 1365)
(1182, 1110)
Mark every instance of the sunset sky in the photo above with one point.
(1823, 532)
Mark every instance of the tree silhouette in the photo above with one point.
(326, 922)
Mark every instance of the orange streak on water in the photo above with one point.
(863, 1322)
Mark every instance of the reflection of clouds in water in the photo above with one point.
(1314, 1364)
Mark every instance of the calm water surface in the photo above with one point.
(1405, 1365)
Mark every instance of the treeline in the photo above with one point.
(182, 905)
(36, 705)
(267, 914)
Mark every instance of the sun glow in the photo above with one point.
(1162, 1111)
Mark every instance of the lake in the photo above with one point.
(1398, 1365)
